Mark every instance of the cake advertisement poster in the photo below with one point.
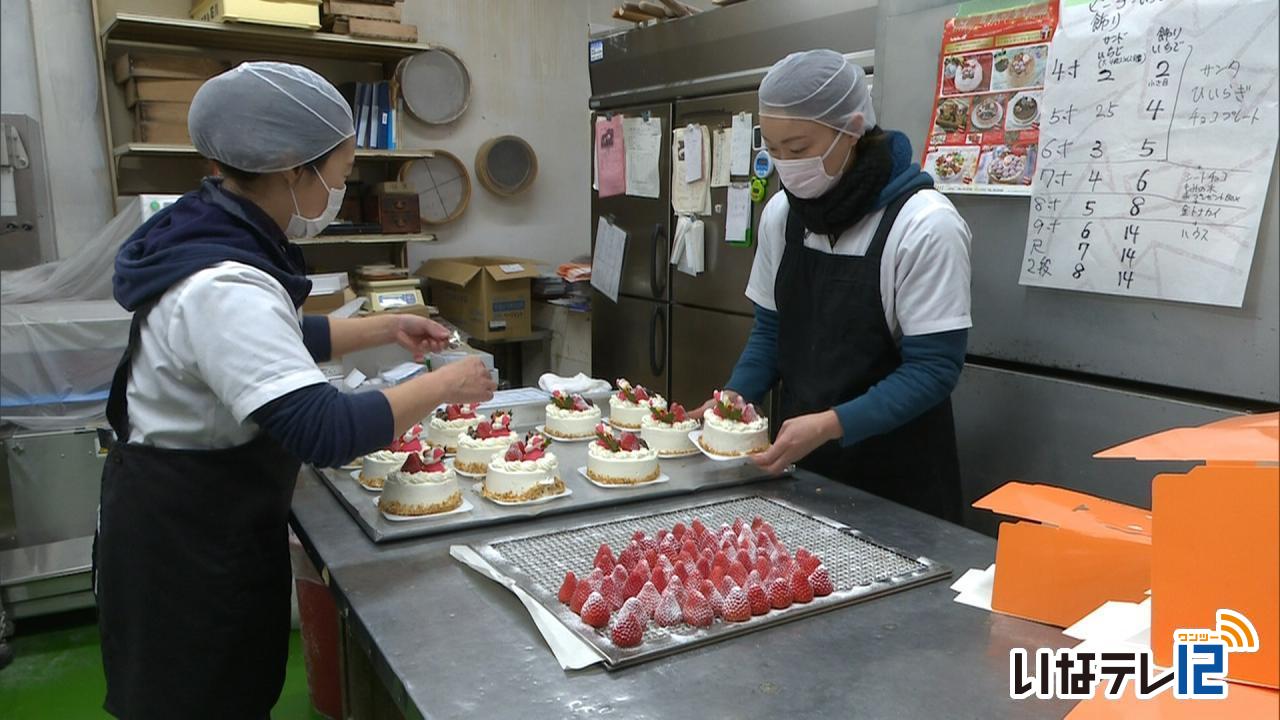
(985, 129)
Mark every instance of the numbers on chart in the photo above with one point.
(1096, 151)
(1105, 75)
(1078, 271)
(1059, 70)
(1086, 231)
(1108, 110)
(1162, 70)
(1088, 207)
(1083, 247)
(1131, 233)
(1135, 209)
(1142, 180)
(1124, 279)
(1148, 148)
(1062, 115)
(1128, 255)
(1095, 177)
(1155, 107)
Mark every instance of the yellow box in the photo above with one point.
(304, 14)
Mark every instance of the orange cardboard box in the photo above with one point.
(1216, 536)
(1071, 553)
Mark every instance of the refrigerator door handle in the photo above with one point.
(657, 269)
(658, 359)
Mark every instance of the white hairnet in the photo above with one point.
(822, 86)
(268, 116)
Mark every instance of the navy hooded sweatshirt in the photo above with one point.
(208, 226)
(930, 366)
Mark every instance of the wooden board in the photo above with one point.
(163, 133)
(176, 67)
(379, 29)
(161, 112)
(367, 10)
(160, 89)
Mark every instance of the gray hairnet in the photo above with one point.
(822, 86)
(268, 116)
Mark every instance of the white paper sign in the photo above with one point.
(1157, 136)
(720, 158)
(689, 198)
(737, 220)
(740, 146)
(643, 138)
(606, 263)
(693, 154)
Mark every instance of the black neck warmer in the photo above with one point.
(854, 195)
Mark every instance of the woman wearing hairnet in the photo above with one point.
(218, 399)
(861, 290)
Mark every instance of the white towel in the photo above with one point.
(580, 384)
(570, 651)
(688, 249)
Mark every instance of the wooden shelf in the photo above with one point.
(365, 239)
(182, 151)
(246, 37)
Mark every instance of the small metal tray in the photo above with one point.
(860, 569)
(688, 475)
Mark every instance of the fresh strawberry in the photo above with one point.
(636, 580)
(762, 565)
(704, 566)
(685, 557)
(758, 599)
(649, 598)
(659, 578)
(736, 606)
(637, 535)
(698, 528)
(619, 575)
(756, 522)
(412, 464)
(641, 394)
(679, 530)
(484, 429)
(661, 534)
(533, 455)
(628, 631)
(668, 612)
(604, 558)
(820, 581)
(452, 412)
(745, 558)
(567, 587)
(726, 585)
(737, 526)
(801, 590)
(807, 561)
(749, 414)
(650, 553)
(513, 453)
(682, 571)
(737, 572)
(717, 601)
(679, 412)
(595, 611)
(630, 442)
(779, 593)
(690, 548)
(697, 609)
(630, 555)
(717, 575)
(580, 594)
(767, 529)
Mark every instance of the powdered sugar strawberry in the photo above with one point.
(567, 588)
(820, 581)
(596, 611)
(628, 631)
(668, 612)
(736, 606)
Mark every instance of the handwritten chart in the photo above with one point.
(1157, 137)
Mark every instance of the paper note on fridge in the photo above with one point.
(737, 221)
(611, 160)
(606, 262)
(720, 158)
(692, 154)
(740, 147)
(643, 142)
(690, 198)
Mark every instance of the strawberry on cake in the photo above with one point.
(448, 423)
(526, 471)
(571, 417)
(375, 466)
(422, 486)
(666, 429)
(620, 461)
(630, 405)
(733, 427)
(481, 442)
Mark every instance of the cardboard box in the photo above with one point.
(1216, 544)
(372, 11)
(376, 29)
(173, 67)
(161, 133)
(161, 112)
(329, 291)
(486, 296)
(163, 90)
(1076, 552)
(303, 14)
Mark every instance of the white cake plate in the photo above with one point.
(543, 429)
(355, 475)
(478, 489)
(696, 437)
(466, 506)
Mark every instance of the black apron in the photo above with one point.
(834, 344)
(191, 572)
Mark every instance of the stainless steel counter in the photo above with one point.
(449, 643)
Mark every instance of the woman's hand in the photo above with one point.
(798, 437)
(465, 381)
(702, 409)
(418, 335)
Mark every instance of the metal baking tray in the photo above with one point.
(687, 475)
(860, 569)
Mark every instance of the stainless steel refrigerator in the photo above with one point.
(675, 333)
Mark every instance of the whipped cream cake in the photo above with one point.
(375, 466)
(571, 417)
(422, 486)
(624, 460)
(448, 423)
(630, 405)
(734, 427)
(666, 430)
(478, 445)
(526, 471)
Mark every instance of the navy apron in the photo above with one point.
(834, 344)
(191, 572)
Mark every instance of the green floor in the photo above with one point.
(57, 673)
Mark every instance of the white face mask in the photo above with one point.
(807, 177)
(305, 227)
